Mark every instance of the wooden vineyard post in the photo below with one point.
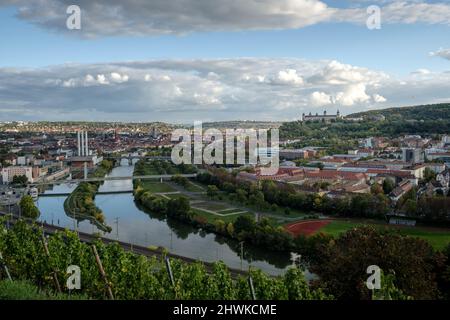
(5, 267)
(169, 271)
(102, 272)
(54, 273)
(252, 288)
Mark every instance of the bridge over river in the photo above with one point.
(131, 157)
(63, 194)
(111, 178)
(136, 226)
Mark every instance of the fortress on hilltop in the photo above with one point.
(322, 117)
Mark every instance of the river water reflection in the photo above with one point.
(132, 224)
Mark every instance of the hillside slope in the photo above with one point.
(424, 112)
(422, 120)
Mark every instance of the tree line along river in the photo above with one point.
(132, 224)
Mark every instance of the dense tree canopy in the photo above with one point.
(343, 263)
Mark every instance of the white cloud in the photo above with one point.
(379, 99)
(336, 73)
(185, 90)
(156, 17)
(320, 99)
(443, 53)
(355, 93)
(289, 76)
(254, 78)
(422, 71)
(69, 83)
(401, 12)
(101, 79)
(89, 79)
(118, 78)
(143, 17)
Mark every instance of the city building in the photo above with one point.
(401, 219)
(9, 173)
(401, 190)
(79, 162)
(443, 156)
(291, 154)
(85, 157)
(417, 170)
(412, 155)
(436, 167)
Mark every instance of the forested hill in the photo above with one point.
(425, 112)
(423, 120)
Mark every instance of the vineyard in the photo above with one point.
(109, 272)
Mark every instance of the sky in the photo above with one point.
(210, 60)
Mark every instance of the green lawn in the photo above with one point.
(279, 212)
(192, 187)
(157, 187)
(212, 217)
(335, 228)
(228, 211)
(212, 206)
(176, 196)
(150, 171)
(439, 239)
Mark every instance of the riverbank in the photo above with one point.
(80, 203)
(134, 224)
(236, 221)
(240, 226)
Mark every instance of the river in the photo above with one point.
(131, 224)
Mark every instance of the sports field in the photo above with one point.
(439, 238)
(306, 228)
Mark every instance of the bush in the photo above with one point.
(19, 290)
(28, 207)
(25, 290)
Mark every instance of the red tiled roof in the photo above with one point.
(340, 160)
(396, 173)
(331, 174)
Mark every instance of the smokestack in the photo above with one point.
(87, 144)
(82, 143)
(79, 143)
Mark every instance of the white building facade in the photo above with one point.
(9, 173)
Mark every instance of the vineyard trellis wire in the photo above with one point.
(129, 275)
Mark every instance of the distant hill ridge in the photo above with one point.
(421, 112)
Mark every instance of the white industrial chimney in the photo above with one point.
(87, 144)
(79, 143)
(82, 143)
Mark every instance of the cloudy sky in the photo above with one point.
(185, 60)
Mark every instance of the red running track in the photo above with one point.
(306, 228)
